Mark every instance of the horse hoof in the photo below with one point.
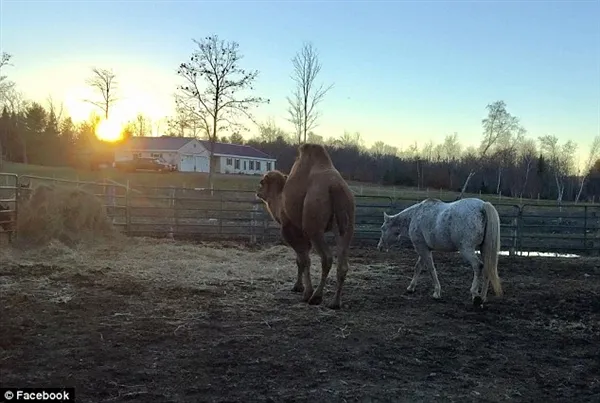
(334, 305)
(437, 296)
(477, 302)
(410, 290)
(298, 288)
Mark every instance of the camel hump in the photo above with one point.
(315, 155)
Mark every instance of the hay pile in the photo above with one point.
(65, 214)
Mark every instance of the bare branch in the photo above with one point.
(103, 81)
(307, 95)
(214, 83)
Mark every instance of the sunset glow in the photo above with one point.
(109, 130)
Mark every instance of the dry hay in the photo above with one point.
(69, 215)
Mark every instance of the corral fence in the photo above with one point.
(205, 214)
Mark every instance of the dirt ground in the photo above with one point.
(163, 321)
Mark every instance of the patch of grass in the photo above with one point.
(137, 179)
(249, 183)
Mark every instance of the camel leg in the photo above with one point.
(303, 259)
(343, 244)
(413, 283)
(298, 286)
(301, 246)
(326, 262)
(477, 265)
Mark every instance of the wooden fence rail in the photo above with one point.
(231, 214)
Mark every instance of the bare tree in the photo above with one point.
(214, 83)
(498, 127)
(307, 95)
(142, 125)
(6, 86)
(55, 110)
(268, 132)
(527, 154)
(561, 159)
(451, 148)
(103, 81)
(592, 157)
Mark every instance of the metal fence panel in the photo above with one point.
(231, 214)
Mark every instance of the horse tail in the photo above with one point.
(491, 246)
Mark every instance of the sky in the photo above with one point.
(403, 71)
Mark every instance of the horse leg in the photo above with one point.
(326, 262)
(477, 265)
(417, 273)
(428, 257)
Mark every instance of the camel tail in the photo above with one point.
(491, 246)
(342, 203)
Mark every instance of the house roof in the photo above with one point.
(157, 143)
(175, 143)
(235, 149)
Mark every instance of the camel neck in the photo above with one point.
(275, 208)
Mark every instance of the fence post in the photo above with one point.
(253, 223)
(175, 209)
(221, 214)
(515, 233)
(127, 207)
(520, 229)
(585, 213)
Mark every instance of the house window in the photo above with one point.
(258, 165)
(268, 165)
(137, 155)
(245, 165)
(237, 164)
(251, 165)
(228, 162)
(156, 155)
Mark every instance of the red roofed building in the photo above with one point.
(192, 155)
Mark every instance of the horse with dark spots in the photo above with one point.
(464, 225)
(312, 200)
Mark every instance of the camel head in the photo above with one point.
(271, 186)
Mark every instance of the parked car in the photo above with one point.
(145, 164)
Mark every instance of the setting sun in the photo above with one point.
(109, 130)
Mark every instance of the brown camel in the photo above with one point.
(312, 200)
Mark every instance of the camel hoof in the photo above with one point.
(306, 296)
(315, 300)
(298, 288)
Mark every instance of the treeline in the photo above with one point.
(528, 177)
(42, 135)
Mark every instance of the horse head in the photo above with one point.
(390, 231)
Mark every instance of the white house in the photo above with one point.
(192, 155)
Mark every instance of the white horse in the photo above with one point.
(463, 225)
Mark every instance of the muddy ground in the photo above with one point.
(120, 336)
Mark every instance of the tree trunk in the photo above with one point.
(464, 188)
(560, 188)
(499, 180)
(526, 178)
(580, 188)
